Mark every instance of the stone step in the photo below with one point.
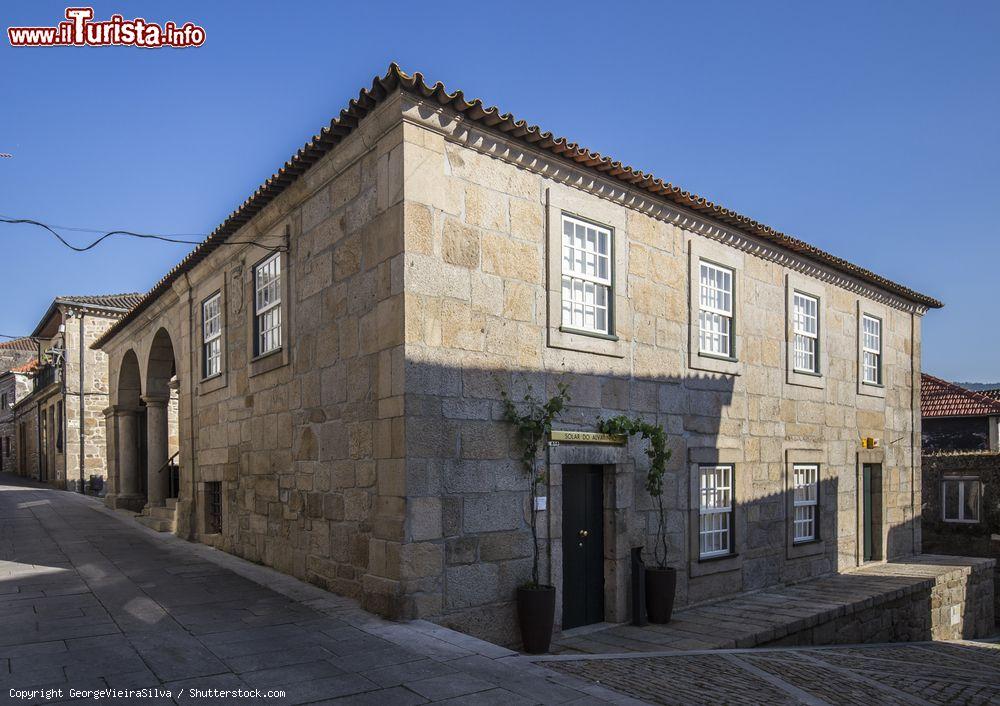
(155, 523)
(162, 513)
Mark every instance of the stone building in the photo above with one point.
(961, 471)
(59, 422)
(339, 344)
(16, 359)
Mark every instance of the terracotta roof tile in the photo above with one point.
(492, 117)
(113, 301)
(27, 367)
(25, 344)
(939, 398)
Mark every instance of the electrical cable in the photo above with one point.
(131, 234)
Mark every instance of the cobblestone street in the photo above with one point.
(956, 673)
(90, 600)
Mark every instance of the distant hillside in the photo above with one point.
(979, 385)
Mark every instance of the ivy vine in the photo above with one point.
(533, 420)
(658, 454)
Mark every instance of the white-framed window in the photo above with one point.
(211, 335)
(715, 510)
(805, 331)
(961, 499)
(267, 305)
(586, 276)
(871, 350)
(805, 501)
(715, 314)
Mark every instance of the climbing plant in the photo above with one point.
(658, 454)
(533, 420)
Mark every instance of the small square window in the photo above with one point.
(962, 499)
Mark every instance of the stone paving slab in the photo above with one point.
(962, 673)
(750, 620)
(90, 599)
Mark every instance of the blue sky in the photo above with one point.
(867, 131)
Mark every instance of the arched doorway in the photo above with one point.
(130, 484)
(161, 402)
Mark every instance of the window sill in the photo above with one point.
(871, 389)
(720, 557)
(591, 334)
(712, 363)
(800, 550)
(268, 361)
(571, 339)
(810, 373)
(961, 522)
(715, 565)
(213, 383)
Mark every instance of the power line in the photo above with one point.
(4, 335)
(131, 234)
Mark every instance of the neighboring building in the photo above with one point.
(14, 384)
(15, 353)
(60, 422)
(961, 471)
(339, 342)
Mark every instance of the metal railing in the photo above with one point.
(45, 377)
(173, 476)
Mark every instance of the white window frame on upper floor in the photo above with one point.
(868, 350)
(211, 336)
(587, 279)
(716, 305)
(805, 333)
(268, 310)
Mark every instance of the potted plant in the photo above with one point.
(661, 580)
(536, 602)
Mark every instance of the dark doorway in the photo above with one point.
(583, 545)
(871, 511)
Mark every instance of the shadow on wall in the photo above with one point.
(472, 501)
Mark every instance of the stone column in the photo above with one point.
(128, 453)
(156, 445)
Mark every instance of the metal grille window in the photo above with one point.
(805, 501)
(586, 276)
(715, 511)
(213, 507)
(211, 332)
(715, 317)
(805, 329)
(962, 499)
(267, 305)
(871, 350)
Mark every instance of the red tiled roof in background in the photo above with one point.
(940, 398)
(28, 367)
(491, 117)
(994, 394)
(24, 344)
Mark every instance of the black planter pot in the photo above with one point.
(661, 584)
(536, 609)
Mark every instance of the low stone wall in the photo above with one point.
(950, 603)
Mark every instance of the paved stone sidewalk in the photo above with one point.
(90, 599)
(780, 613)
(953, 673)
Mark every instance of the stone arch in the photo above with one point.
(129, 467)
(161, 403)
